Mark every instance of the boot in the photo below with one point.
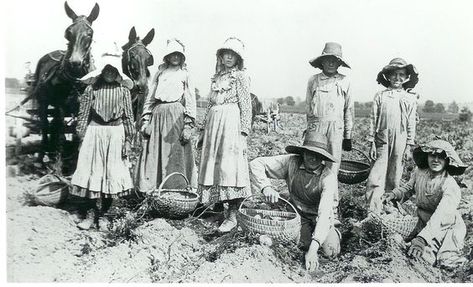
(230, 221)
(88, 221)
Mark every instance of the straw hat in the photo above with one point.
(111, 57)
(455, 164)
(235, 45)
(173, 46)
(330, 49)
(313, 142)
(399, 63)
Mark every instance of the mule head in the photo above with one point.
(79, 35)
(137, 58)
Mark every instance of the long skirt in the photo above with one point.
(101, 169)
(223, 172)
(163, 153)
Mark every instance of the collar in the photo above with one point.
(324, 77)
(436, 175)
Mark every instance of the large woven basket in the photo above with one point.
(281, 226)
(52, 191)
(353, 171)
(174, 203)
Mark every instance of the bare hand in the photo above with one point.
(373, 154)
(145, 128)
(186, 135)
(312, 259)
(417, 248)
(126, 149)
(270, 194)
(388, 197)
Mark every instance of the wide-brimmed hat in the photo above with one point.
(399, 63)
(313, 142)
(330, 49)
(175, 46)
(112, 58)
(234, 44)
(455, 164)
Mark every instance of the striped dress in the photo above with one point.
(105, 123)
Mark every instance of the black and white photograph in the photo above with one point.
(224, 141)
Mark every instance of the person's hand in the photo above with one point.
(346, 145)
(311, 257)
(126, 149)
(388, 197)
(373, 154)
(200, 141)
(408, 152)
(145, 128)
(270, 194)
(186, 134)
(418, 245)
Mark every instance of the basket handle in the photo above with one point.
(260, 195)
(160, 187)
(363, 153)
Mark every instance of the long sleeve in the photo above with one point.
(308, 99)
(128, 116)
(411, 124)
(150, 99)
(374, 117)
(325, 211)
(189, 102)
(446, 211)
(406, 191)
(244, 102)
(348, 113)
(264, 168)
(84, 111)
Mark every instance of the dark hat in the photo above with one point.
(399, 63)
(330, 49)
(313, 142)
(455, 164)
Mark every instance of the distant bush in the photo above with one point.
(465, 115)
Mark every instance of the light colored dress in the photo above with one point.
(105, 122)
(169, 106)
(392, 128)
(440, 222)
(223, 172)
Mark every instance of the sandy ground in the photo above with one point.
(44, 244)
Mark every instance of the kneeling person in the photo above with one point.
(312, 187)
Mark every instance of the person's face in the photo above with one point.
(397, 78)
(229, 58)
(437, 161)
(311, 160)
(109, 74)
(175, 59)
(330, 65)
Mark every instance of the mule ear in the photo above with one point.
(148, 38)
(71, 14)
(94, 13)
(132, 35)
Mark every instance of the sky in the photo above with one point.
(280, 38)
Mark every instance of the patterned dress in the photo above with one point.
(105, 123)
(223, 172)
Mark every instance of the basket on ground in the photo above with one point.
(354, 171)
(174, 203)
(282, 226)
(52, 191)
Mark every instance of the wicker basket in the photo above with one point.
(281, 226)
(52, 191)
(174, 203)
(352, 171)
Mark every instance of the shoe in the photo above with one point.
(103, 224)
(87, 223)
(230, 221)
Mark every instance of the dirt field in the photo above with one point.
(44, 244)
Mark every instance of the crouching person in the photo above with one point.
(312, 187)
(440, 231)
